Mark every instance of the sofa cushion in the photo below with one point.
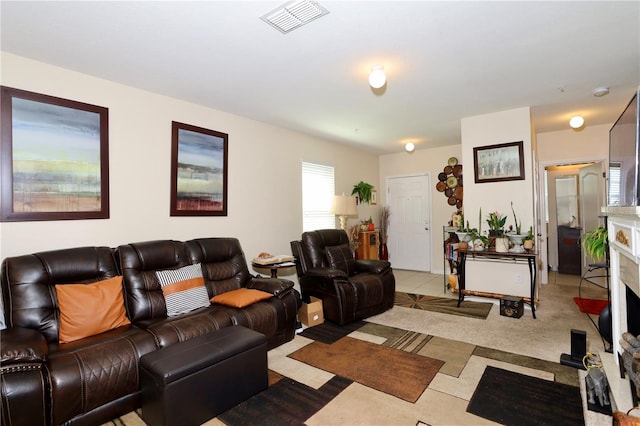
(88, 309)
(183, 289)
(341, 257)
(241, 297)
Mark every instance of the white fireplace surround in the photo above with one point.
(624, 250)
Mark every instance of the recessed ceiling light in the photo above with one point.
(294, 14)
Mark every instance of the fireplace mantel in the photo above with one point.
(624, 249)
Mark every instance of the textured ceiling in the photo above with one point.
(444, 60)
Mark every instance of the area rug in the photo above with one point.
(398, 373)
(444, 305)
(286, 402)
(328, 332)
(590, 306)
(514, 399)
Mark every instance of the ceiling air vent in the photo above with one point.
(294, 14)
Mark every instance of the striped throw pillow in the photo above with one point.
(183, 289)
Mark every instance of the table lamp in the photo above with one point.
(343, 206)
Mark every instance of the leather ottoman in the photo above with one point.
(193, 381)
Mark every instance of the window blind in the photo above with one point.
(318, 189)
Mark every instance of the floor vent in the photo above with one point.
(294, 14)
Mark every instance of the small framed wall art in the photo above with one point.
(54, 158)
(498, 163)
(198, 171)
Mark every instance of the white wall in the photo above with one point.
(423, 161)
(490, 129)
(264, 188)
(571, 146)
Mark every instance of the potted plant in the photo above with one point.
(515, 219)
(496, 223)
(367, 224)
(464, 233)
(528, 240)
(363, 191)
(595, 243)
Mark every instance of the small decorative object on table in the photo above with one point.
(273, 263)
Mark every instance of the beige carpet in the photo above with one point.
(466, 346)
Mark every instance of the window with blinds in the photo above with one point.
(318, 189)
(614, 184)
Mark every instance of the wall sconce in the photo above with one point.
(377, 79)
(409, 147)
(343, 206)
(576, 122)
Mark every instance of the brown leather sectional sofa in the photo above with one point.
(95, 379)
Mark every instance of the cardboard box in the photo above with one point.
(311, 314)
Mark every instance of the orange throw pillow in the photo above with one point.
(89, 309)
(241, 297)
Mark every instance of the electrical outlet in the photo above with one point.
(518, 278)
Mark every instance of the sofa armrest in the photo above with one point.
(22, 345)
(326, 273)
(372, 266)
(275, 286)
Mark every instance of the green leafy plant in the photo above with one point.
(515, 219)
(529, 235)
(496, 223)
(595, 243)
(363, 191)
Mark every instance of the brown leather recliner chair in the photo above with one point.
(350, 289)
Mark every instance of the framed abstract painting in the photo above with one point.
(198, 171)
(54, 158)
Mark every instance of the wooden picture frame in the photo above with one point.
(54, 158)
(374, 197)
(198, 171)
(499, 163)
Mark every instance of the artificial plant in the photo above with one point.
(595, 243)
(363, 191)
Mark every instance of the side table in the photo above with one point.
(274, 267)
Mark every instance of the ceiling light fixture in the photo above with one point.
(600, 92)
(377, 79)
(576, 122)
(409, 147)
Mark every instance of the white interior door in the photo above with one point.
(592, 198)
(409, 222)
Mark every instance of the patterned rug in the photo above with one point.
(298, 398)
(444, 305)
